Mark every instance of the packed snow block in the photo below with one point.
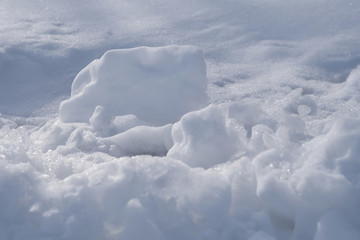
(158, 85)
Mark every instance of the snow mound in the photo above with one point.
(157, 84)
(216, 134)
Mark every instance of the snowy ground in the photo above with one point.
(266, 146)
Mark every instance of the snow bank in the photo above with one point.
(158, 85)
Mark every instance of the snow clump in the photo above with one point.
(158, 85)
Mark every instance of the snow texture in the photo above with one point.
(147, 143)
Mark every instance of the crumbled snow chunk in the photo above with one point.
(199, 135)
(101, 121)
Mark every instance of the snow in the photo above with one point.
(179, 119)
(199, 136)
(158, 85)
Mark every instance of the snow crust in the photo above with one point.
(274, 154)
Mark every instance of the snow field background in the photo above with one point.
(274, 155)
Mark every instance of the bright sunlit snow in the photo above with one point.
(180, 120)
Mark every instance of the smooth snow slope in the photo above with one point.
(274, 156)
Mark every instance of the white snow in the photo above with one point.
(158, 85)
(253, 134)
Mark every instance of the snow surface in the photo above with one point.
(266, 146)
